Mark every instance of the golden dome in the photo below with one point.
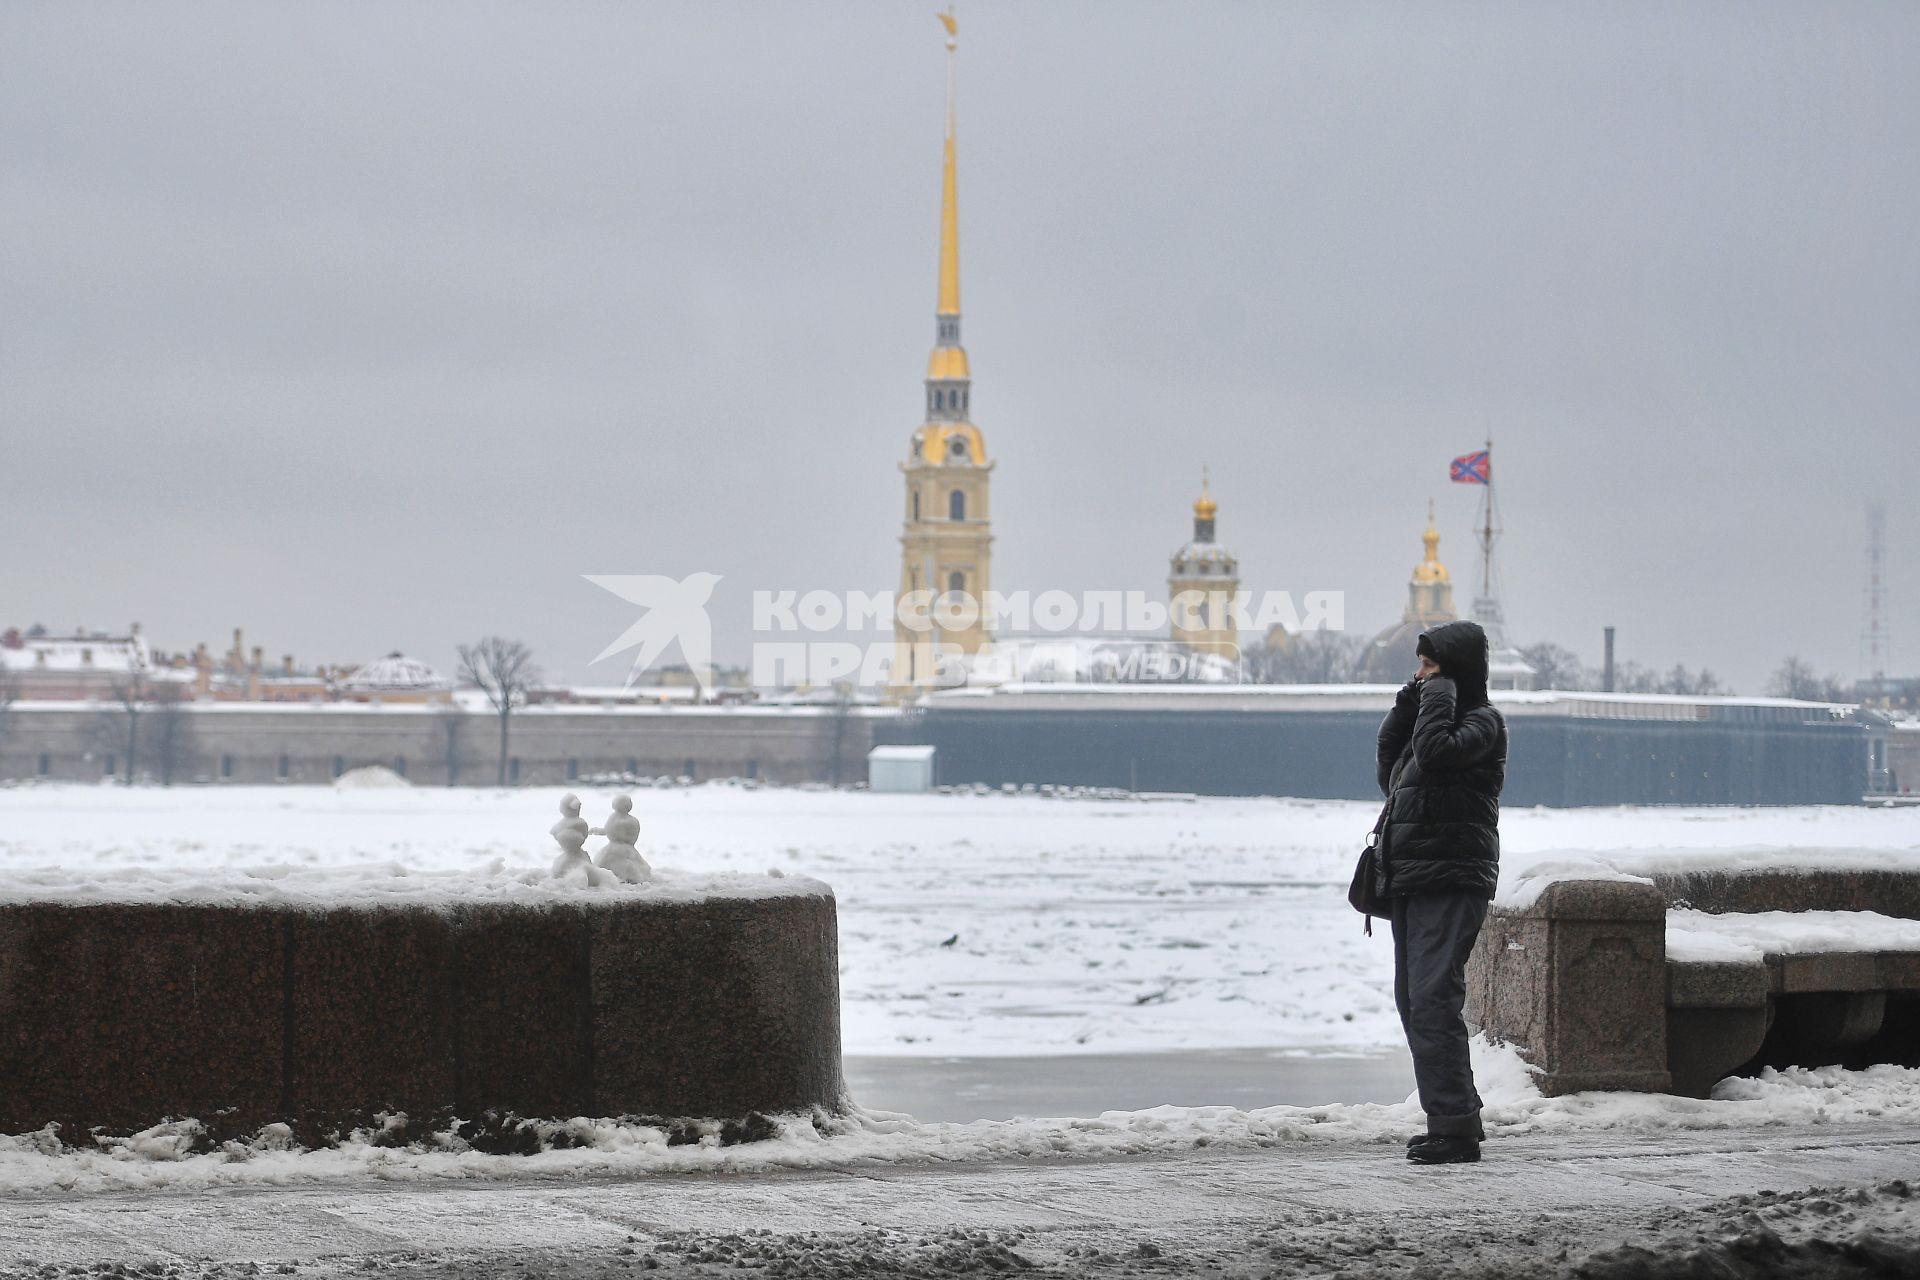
(1430, 569)
(1204, 506)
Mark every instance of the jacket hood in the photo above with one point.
(1460, 648)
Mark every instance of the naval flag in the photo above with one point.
(1473, 468)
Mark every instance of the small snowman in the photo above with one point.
(571, 834)
(619, 856)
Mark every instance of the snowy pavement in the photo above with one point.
(1540, 1204)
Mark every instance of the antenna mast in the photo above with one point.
(1873, 638)
(1488, 530)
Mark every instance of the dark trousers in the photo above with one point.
(1433, 934)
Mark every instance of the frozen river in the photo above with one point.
(972, 927)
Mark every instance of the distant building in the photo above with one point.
(396, 678)
(90, 666)
(1391, 658)
(78, 667)
(240, 675)
(1506, 668)
(1202, 578)
(1889, 693)
(905, 769)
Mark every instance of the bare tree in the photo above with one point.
(1312, 657)
(1707, 684)
(117, 732)
(842, 709)
(449, 740)
(9, 694)
(171, 745)
(1632, 677)
(504, 671)
(1700, 684)
(1555, 667)
(1796, 678)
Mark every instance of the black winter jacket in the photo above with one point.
(1441, 761)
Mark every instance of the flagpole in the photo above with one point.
(1486, 530)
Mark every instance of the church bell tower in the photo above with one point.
(1202, 580)
(946, 541)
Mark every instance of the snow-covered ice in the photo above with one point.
(969, 925)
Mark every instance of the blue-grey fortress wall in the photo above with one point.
(1568, 749)
(240, 743)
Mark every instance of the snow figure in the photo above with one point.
(619, 856)
(571, 833)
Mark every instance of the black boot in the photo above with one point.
(1444, 1150)
(1421, 1140)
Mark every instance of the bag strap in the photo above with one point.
(1379, 824)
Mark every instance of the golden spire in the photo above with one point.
(1430, 569)
(949, 200)
(948, 363)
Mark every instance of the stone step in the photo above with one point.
(1734, 984)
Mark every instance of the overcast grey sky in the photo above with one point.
(373, 326)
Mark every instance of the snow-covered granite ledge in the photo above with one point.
(1664, 971)
(382, 884)
(326, 999)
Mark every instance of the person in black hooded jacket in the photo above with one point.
(1441, 760)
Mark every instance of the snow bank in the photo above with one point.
(1697, 935)
(378, 884)
(370, 777)
(166, 1156)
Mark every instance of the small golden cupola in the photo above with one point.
(1390, 659)
(1204, 508)
(1430, 591)
(1430, 569)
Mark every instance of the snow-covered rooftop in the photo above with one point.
(1370, 696)
(78, 653)
(396, 673)
(908, 752)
